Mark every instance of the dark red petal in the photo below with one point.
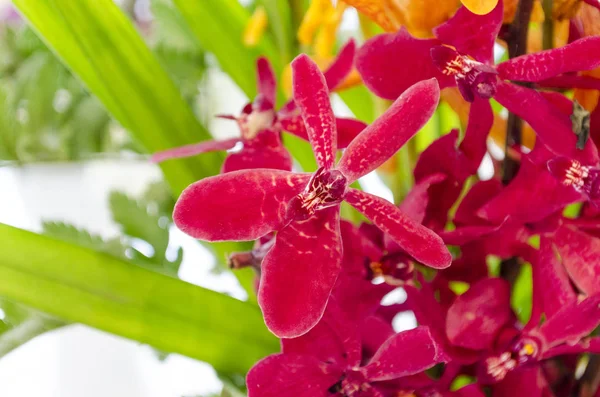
(476, 197)
(529, 381)
(380, 140)
(267, 83)
(390, 63)
(589, 345)
(299, 272)
(472, 34)
(475, 318)
(530, 197)
(551, 286)
(335, 339)
(481, 118)
(240, 205)
(312, 98)
(374, 332)
(580, 254)
(347, 130)
(341, 67)
(418, 241)
(466, 234)
(416, 201)
(403, 354)
(553, 128)
(194, 149)
(571, 81)
(259, 155)
(291, 375)
(583, 54)
(572, 322)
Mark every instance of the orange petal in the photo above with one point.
(256, 27)
(383, 12)
(480, 7)
(420, 17)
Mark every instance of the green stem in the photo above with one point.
(548, 27)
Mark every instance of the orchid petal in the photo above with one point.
(529, 381)
(472, 34)
(481, 118)
(418, 241)
(391, 63)
(299, 273)
(480, 7)
(337, 72)
(347, 129)
(551, 286)
(335, 339)
(403, 354)
(374, 332)
(240, 205)
(267, 83)
(194, 149)
(553, 128)
(583, 54)
(312, 97)
(530, 197)
(580, 254)
(476, 197)
(572, 322)
(380, 140)
(416, 201)
(475, 318)
(571, 81)
(291, 375)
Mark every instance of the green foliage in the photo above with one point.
(521, 299)
(81, 285)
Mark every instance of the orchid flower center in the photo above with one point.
(352, 384)
(523, 351)
(472, 77)
(325, 189)
(254, 122)
(572, 173)
(396, 269)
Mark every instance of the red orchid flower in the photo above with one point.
(327, 362)
(261, 124)
(468, 64)
(300, 270)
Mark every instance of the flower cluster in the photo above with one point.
(322, 278)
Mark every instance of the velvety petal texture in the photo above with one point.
(380, 140)
(403, 354)
(580, 254)
(291, 375)
(472, 34)
(299, 273)
(391, 63)
(241, 205)
(475, 318)
(418, 241)
(583, 54)
(312, 97)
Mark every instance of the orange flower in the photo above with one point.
(480, 7)
(588, 18)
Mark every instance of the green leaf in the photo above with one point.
(101, 46)
(81, 285)
(521, 299)
(83, 238)
(219, 27)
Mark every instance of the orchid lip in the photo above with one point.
(524, 350)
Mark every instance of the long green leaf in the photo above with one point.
(219, 27)
(101, 46)
(81, 285)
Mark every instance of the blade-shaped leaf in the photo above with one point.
(81, 285)
(219, 26)
(101, 46)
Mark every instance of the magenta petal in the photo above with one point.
(572, 322)
(416, 201)
(299, 272)
(571, 81)
(418, 241)
(583, 54)
(267, 83)
(472, 34)
(403, 354)
(291, 375)
(264, 151)
(312, 97)
(335, 339)
(481, 118)
(341, 67)
(194, 149)
(240, 205)
(380, 140)
(347, 130)
(476, 317)
(580, 254)
(391, 63)
(552, 127)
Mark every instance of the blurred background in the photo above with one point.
(71, 171)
